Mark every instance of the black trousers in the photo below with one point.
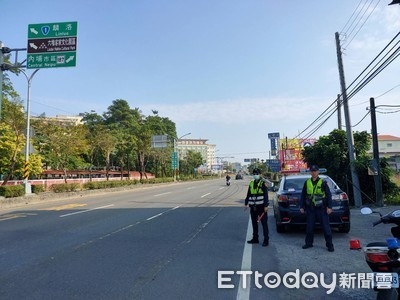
(255, 212)
(318, 214)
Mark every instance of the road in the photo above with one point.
(166, 242)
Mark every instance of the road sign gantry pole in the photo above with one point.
(28, 189)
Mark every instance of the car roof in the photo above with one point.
(304, 176)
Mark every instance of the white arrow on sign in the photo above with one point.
(69, 59)
(33, 30)
(33, 45)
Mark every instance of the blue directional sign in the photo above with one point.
(274, 135)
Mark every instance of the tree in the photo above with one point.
(12, 140)
(125, 123)
(331, 152)
(161, 126)
(63, 146)
(193, 161)
(106, 142)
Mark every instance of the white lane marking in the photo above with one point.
(205, 195)
(191, 187)
(148, 219)
(162, 194)
(155, 216)
(244, 294)
(83, 211)
(200, 228)
(221, 188)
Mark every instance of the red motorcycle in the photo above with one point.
(384, 257)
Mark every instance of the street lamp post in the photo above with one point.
(28, 115)
(176, 166)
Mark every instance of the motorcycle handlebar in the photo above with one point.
(377, 222)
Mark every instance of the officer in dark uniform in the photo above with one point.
(316, 202)
(257, 200)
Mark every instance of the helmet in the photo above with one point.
(256, 172)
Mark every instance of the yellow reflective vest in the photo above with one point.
(315, 194)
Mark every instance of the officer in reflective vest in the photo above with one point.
(316, 202)
(257, 200)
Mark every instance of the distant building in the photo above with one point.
(62, 119)
(389, 147)
(207, 151)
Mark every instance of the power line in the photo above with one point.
(383, 66)
(363, 82)
(354, 20)
(365, 69)
(388, 112)
(362, 119)
(362, 25)
(388, 91)
(351, 16)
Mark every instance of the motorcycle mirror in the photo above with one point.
(366, 211)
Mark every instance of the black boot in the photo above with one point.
(266, 243)
(253, 241)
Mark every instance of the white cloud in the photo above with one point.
(242, 111)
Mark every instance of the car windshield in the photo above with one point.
(294, 183)
(298, 183)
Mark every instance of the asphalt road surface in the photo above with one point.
(175, 241)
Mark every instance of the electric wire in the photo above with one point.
(358, 123)
(366, 68)
(375, 72)
(388, 112)
(351, 17)
(354, 20)
(357, 88)
(362, 25)
(387, 91)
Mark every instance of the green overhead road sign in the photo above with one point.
(52, 45)
(52, 30)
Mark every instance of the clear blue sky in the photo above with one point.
(228, 71)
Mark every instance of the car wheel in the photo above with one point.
(344, 228)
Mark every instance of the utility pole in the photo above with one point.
(350, 140)
(339, 112)
(375, 149)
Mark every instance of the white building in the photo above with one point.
(207, 151)
(389, 147)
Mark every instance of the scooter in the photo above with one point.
(228, 182)
(384, 257)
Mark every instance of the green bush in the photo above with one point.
(37, 188)
(65, 187)
(10, 191)
(94, 185)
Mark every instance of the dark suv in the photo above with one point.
(287, 199)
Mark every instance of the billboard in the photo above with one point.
(290, 154)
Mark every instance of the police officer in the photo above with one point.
(316, 202)
(257, 200)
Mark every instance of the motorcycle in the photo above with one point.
(384, 257)
(228, 182)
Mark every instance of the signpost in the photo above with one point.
(274, 137)
(174, 161)
(52, 45)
